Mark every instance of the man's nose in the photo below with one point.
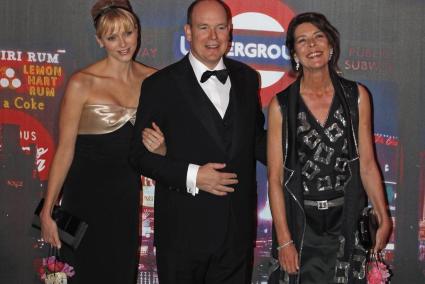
(213, 34)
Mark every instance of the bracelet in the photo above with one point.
(285, 244)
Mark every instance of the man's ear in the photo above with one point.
(188, 32)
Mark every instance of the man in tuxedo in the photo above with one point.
(208, 108)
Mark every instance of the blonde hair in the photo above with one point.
(114, 19)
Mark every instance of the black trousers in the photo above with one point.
(225, 266)
(230, 263)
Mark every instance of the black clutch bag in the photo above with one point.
(71, 229)
(368, 225)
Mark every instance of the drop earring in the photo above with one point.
(331, 52)
(297, 64)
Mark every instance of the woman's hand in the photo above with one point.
(154, 140)
(369, 173)
(288, 259)
(49, 230)
(382, 234)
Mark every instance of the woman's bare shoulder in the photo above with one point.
(364, 95)
(87, 76)
(274, 105)
(144, 71)
(81, 80)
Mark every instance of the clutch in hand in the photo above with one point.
(71, 228)
(368, 226)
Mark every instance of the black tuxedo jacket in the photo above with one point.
(173, 99)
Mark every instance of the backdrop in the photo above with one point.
(43, 42)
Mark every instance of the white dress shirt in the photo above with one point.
(218, 93)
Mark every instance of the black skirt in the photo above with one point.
(321, 245)
(102, 189)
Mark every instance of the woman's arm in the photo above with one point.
(70, 112)
(369, 172)
(288, 255)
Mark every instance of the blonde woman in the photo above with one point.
(95, 127)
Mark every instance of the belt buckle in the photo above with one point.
(322, 205)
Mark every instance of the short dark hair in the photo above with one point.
(320, 21)
(196, 2)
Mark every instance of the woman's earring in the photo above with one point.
(331, 52)
(297, 64)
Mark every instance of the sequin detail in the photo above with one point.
(324, 183)
(334, 132)
(341, 182)
(345, 147)
(338, 115)
(341, 164)
(310, 170)
(303, 124)
(312, 139)
(341, 272)
(323, 154)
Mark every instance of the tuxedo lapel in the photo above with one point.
(194, 96)
(236, 95)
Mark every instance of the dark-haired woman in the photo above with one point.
(91, 162)
(321, 164)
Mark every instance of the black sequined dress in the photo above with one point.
(323, 157)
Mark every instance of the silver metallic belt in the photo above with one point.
(325, 204)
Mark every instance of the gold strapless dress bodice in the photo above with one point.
(104, 118)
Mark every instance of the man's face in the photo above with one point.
(209, 33)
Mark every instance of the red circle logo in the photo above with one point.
(259, 34)
(31, 132)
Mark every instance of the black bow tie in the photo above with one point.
(220, 74)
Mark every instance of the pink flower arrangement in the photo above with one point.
(377, 272)
(52, 265)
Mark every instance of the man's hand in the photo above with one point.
(211, 180)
